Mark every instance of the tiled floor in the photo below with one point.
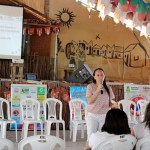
(79, 145)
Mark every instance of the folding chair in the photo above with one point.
(4, 121)
(78, 114)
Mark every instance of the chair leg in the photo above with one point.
(25, 132)
(64, 131)
(48, 128)
(41, 128)
(71, 129)
(57, 129)
(35, 128)
(82, 131)
(16, 132)
(75, 131)
(3, 129)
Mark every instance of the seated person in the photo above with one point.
(141, 130)
(116, 123)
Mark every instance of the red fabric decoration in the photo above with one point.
(124, 7)
(66, 97)
(47, 30)
(141, 17)
(31, 31)
(39, 31)
(24, 30)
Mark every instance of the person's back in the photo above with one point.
(142, 130)
(116, 123)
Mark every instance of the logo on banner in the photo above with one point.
(136, 99)
(127, 89)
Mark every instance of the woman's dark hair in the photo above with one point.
(104, 82)
(147, 116)
(116, 122)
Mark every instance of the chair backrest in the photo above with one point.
(141, 105)
(129, 107)
(2, 103)
(143, 144)
(51, 110)
(30, 109)
(42, 142)
(6, 143)
(77, 109)
(120, 142)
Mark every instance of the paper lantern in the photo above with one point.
(134, 2)
(124, 7)
(131, 8)
(116, 2)
(122, 2)
(142, 7)
(141, 17)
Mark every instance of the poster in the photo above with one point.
(22, 91)
(136, 92)
(78, 92)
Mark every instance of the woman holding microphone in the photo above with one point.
(99, 97)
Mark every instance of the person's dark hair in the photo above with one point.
(104, 82)
(147, 116)
(116, 122)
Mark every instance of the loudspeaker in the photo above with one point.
(81, 75)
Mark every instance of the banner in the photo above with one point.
(135, 93)
(22, 91)
(78, 92)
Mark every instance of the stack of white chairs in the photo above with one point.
(118, 142)
(6, 144)
(42, 142)
(77, 117)
(141, 107)
(129, 107)
(30, 114)
(4, 121)
(53, 115)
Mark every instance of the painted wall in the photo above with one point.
(97, 43)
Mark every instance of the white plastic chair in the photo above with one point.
(77, 117)
(4, 121)
(42, 142)
(51, 115)
(143, 144)
(141, 105)
(129, 107)
(6, 143)
(120, 142)
(30, 114)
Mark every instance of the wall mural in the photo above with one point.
(134, 55)
(66, 17)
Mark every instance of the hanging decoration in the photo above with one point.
(131, 13)
(39, 31)
(24, 30)
(31, 31)
(47, 30)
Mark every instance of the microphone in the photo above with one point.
(102, 84)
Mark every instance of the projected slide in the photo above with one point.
(11, 19)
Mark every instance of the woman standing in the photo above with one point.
(99, 97)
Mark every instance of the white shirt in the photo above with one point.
(140, 131)
(98, 138)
